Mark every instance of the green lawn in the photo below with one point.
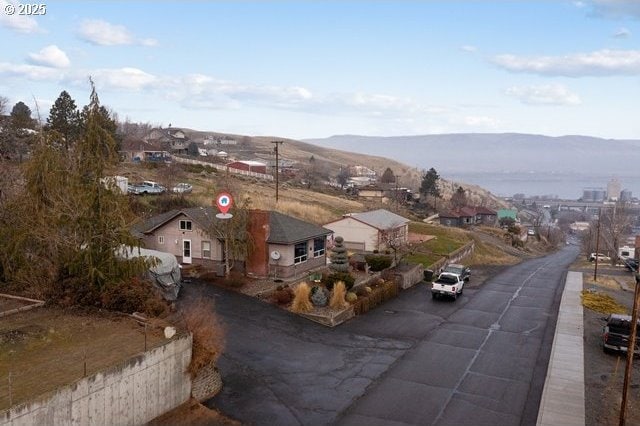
(446, 241)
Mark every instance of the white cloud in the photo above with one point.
(19, 23)
(579, 4)
(103, 33)
(622, 33)
(548, 94)
(469, 48)
(50, 56)
(604, 62)
(123, 78)
(31, 72)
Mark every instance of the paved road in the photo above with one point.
(479, 360)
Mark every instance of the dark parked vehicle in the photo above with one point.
(631, 264)
(615, 335)
(462, 271)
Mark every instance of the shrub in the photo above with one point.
(134, 295)
(378, 262)
(234, 280)
(345, 277)
(318, 296)
(283, 296)
(208, 334)
(351, 297)
(338, 300)
(301, 302)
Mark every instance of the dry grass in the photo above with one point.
(301, 302)
(602, 303)
(45, 348)
(338, 296)
(208, 334)
(603, 281)
(487, 254)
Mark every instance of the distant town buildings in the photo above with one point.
(613, 192)
(596, 195)
(613, 189)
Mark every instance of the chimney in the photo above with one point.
(257, 262)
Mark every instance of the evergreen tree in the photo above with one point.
(72, 228)
(429, 184)
(64, 118)
(21, 117)
(388, 176)
(339, 258)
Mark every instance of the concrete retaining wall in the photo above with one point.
(455, 257)
(133, 393)
(411, 277)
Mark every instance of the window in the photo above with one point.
(206, 249)
(300, 253)
(160, 239)
(318, 246)
(185, 225)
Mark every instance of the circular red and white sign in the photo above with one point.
(224, 202)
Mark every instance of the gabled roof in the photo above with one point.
(468, 212)
(485, 210)
(380, 219)
(201, 215)
(284, 229)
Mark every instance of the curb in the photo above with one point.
(562, 400)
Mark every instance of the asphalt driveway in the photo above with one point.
(479, 360)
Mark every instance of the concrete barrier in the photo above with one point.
(132, 393)
(563, 394)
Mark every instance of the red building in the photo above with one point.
(249, 166)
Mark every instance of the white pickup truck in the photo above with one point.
(447, 284)
(146, 187)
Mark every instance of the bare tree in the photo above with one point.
(615, 224)
(237, 242)
(4, 105)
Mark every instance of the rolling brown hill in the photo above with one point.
(334, 159)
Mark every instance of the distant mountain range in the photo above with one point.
(570, 162)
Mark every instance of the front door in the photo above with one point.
(186, 251)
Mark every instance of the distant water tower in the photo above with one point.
(613, 189)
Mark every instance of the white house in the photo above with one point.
(373, 230)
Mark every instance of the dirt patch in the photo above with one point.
(604, 373)
(193, 413)
(45, 348)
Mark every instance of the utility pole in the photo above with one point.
(277, 144)
(595, 269)
(630, 351)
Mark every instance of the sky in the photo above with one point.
(310, 69)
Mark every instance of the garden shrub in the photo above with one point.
(208, 334)
(330, 280)
(318, 296)
(351, 297)
(338, 300)
(283, 296)
(301, 302)
(378, 262)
